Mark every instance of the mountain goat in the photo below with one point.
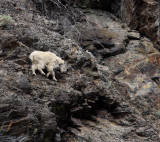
(51, 61)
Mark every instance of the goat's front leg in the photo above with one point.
(53, 76)
(50, 69)
(48, 74)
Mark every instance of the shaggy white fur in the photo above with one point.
(51, 61)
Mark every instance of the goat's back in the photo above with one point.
(40, 55)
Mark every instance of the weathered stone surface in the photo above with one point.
(143, 16)
(100, 37)
(134, 35)
(110, 95)
(137, 14)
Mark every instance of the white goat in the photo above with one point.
(51, 61)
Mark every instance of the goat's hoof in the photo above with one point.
(34, 74)
(54, 79)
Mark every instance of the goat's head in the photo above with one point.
(63, 67)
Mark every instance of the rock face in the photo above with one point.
(109, 93)
(139, 15)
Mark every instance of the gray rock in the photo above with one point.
(101, 97)
(133, 35)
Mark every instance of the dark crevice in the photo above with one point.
(84, 109)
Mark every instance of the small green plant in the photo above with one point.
(6, 20)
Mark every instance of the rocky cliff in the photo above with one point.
(141, 15)
(111, 90)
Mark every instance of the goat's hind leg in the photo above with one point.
(34, 67)
(40, 67)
